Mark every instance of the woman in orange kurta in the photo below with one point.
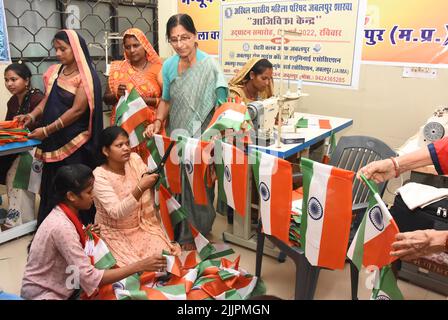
(140, 70)
(124, 204)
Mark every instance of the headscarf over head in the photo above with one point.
(238, 81)
(151, 54)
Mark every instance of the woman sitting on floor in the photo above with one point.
(58, 245)
(124, 202)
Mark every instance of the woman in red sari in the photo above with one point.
(140, 70)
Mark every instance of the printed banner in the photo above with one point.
(323, 47)
(396, 32)
(406, 33)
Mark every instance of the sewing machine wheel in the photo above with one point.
(433, 131)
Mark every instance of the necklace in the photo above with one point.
(67, 74)
(144, 66)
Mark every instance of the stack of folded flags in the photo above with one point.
(11, 131)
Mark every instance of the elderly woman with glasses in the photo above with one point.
(193, 85)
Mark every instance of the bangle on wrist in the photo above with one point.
(160, 120)
(33, 118)
(61, 123)
(396, 166)
(139, 189)
(44, 129)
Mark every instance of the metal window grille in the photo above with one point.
(32, 24)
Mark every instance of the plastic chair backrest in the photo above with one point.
(353, 153)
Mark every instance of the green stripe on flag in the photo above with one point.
(22, 178)
(307, 170)
(302, 123)
(178, 216)
(388, 288)
(255, 161)
(106, 262)
(358, 252)
(219, 165)
(370, 184)
(120, 111)
(175, 290)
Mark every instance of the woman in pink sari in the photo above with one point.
(124, 202)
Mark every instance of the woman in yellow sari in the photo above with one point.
(253, 82)
(140, 70)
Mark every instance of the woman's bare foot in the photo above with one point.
(188, 246)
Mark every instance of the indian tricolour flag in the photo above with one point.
(327, 213)
(273, 178)
(372, 243)
(173, 264)
(99, 253)
(131, 114)
(129, 289)
(227, 116)
(231, 168)
(29, 172)
(176, 292)
(170, 176)
(203, 246)
(387, 288)
(313, 123)
(171, 211)
(195, 167)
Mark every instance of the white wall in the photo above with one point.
(4, 93)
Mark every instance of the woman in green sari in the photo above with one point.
(193, 85)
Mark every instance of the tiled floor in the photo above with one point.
(278, 277)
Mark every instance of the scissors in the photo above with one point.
(162, 162)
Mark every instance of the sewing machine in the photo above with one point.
(436, 128)
(264, 114)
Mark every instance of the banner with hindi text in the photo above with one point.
(324, 47)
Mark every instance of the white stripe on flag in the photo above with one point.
(267, 164)
(318, 190)
(35, 174)
(370, 230)
(133, 139)
(190, 150)
(227, 154)
(232, 115)
(134, 107)
(172, 205)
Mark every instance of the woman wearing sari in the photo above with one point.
(193, 84)
(123, 197)
(71, 114)
(140, 70)
(253, 82)
(24, 99)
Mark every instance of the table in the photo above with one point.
(12, 148)
(242, 232)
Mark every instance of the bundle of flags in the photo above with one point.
(372, 243)
(11, 131)
(132, 114)
(313, 123)
(273, 178)
(185, 278)
(29, 172)
(327, 208)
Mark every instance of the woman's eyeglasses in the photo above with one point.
(179, 39)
